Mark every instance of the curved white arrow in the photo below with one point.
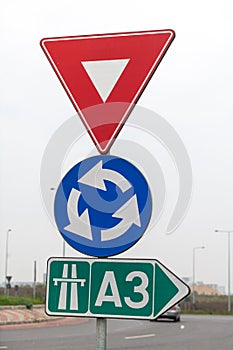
(79, 225)
(95, 177)
(129, 214)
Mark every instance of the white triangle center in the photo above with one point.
(104, 74)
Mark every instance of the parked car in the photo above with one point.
(172, 314)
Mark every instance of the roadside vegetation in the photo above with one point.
(23, 295)
(19, 300)
(205, 304)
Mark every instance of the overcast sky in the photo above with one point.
(191, 90)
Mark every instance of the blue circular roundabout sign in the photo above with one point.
(103, 206)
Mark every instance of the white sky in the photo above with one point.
(192, 90)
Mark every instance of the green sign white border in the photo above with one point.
(183, 289)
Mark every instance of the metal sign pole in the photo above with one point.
(101, 328)
(101, 333)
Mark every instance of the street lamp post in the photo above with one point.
(229, 266)
(64, 242)
(6, 259)
(194, 262)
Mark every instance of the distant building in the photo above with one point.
(205, 289)
(220, 289)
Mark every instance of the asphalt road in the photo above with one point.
(192, 333)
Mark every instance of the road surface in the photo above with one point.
(192, 333)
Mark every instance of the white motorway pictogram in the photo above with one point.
(74, 280)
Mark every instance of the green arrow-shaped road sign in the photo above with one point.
(112, 288)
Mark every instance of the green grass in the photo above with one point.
(16, 300)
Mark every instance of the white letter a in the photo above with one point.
(109, 279)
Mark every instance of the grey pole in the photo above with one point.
(229, 267)
(64, 248)
(34, 281)
(193, 278)
(194, 262)
(6, 259)
(229, 273)
(101, 329)
(101, 333)
(64, 243)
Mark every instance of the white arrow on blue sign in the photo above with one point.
(103, 206)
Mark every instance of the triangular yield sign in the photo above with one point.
(104, 75)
